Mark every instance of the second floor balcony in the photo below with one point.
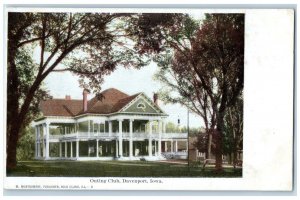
(115, 135)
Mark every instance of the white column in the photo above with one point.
(159, 137)
(39, 141)
(130, 137)
(109, 128)
(176, 146)
(44, 148)
(71, 149)
(77, 148)
(171, 145)
(166, 146)
(120, 138)
(66, 149)
(97, 149)
(47, 140)
(164, 127)
(116, 150)
(89, 128)
(60, 149)
(187, 145)
(43, 141)
(77, 130)
(36, 143)
(150, 139)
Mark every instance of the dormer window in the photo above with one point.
(141, 106)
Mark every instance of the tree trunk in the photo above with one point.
(13, 124)
(15, 127)
(219, 141)
(235, 148)
(209, 145)
(11, 157)
(234, 158)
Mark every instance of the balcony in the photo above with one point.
(125, 135)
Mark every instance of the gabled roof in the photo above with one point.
(61, 107)
(112, 101)
(139, 96)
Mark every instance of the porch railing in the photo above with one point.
(125, 135)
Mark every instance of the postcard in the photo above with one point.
(148, 99)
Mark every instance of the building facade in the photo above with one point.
(112, 125)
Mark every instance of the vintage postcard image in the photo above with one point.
(132, 99)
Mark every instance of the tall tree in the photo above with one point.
(213, 56)
(218, 60)
(234, 130)
(180, 85)
(90, 45)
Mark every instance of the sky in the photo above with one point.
(129, 81)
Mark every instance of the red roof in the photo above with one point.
(112, 101)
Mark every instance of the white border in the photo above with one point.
(268, 143)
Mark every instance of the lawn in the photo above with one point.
(115, 169)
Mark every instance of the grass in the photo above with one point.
(115, 169)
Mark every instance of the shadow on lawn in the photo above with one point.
(115, 169)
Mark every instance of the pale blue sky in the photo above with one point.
(130, 81)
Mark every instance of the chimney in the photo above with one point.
(155, 98)
(84, 100)
(68, 97)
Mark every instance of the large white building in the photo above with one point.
(113, 125)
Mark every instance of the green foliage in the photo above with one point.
(26, 145)
(192, 131)
(171, 127)
(115, 169)
(233, 136)
(203, 69)
(26, 70)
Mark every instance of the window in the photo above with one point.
(141, 106)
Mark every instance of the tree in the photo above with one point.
(218, 54)
(210, 60)
(180, 85)
(90, 45)
(26, 144)
(233, 138)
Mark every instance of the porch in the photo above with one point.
(96, 139)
